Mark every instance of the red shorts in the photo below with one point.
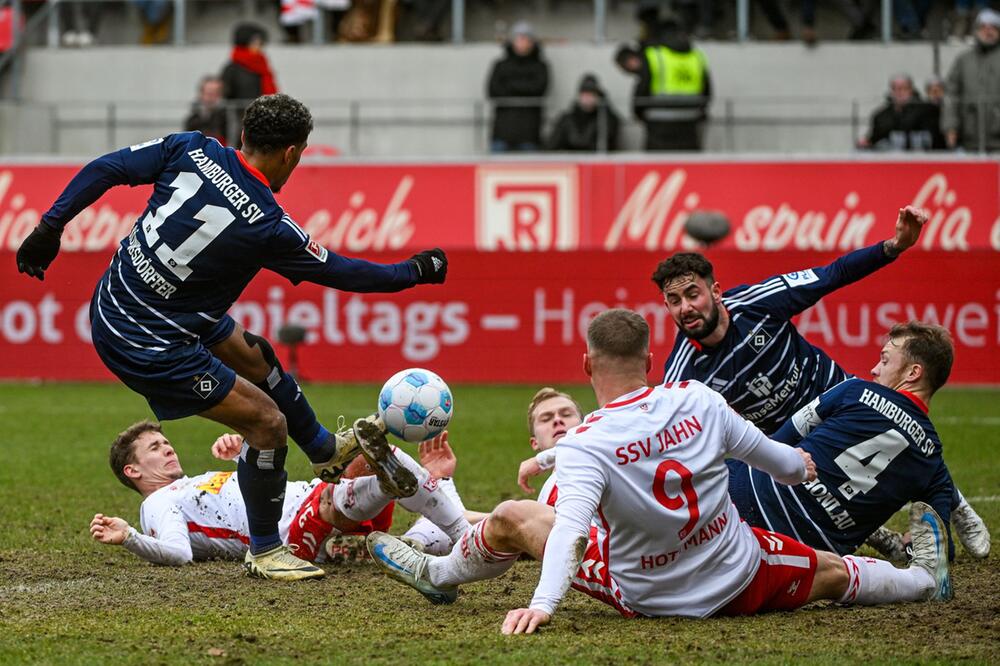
(782, 582)
(594, 579)
(308, 531)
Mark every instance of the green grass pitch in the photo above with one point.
(65, 599)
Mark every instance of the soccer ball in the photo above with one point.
(415, 404)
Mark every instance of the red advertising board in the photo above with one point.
(535, 251)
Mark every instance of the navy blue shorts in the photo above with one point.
(182, 380)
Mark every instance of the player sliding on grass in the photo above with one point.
(743, 344)
(158, 315)
(874, 447)
(185, 519)
(648, 467)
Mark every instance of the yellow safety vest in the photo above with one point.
(673, 73)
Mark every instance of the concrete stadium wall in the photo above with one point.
(408, 85)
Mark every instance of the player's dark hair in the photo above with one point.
(619, 334)
(544, 394)
(123, 449)
(682, 263)
(275, 122)
(929, 345)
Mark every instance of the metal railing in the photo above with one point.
(370, 127)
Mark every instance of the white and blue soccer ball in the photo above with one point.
(415, 404)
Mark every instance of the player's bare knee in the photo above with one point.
(271, 431)
(831, 579)
(506, 517)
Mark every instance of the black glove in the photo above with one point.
(38, 250)
(431, 266)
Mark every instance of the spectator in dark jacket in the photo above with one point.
(589, 125)
(247, 76)
(208, 113)
(672, 90)
(523, 76)
(905, 122)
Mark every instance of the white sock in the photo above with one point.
(359, 499)
(432, 502)
(878, 582)
(435, 541)
(471, 559)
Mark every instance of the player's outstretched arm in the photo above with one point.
(111, 530)
(543, 461)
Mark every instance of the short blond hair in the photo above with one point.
(543, 394)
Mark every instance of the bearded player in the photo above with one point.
(742, 343)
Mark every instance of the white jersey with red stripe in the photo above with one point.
(649, 468)
(207, 512)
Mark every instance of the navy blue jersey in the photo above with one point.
(210, 225)
(763, 367)
(875, 449)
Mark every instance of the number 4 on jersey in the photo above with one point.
(879, 451)
(214, 218)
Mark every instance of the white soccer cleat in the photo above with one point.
(971, 530)
(889, 544)
(279, 564)
(930, 548)
(407, 565)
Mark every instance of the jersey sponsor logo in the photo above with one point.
(214, 485)
(800, 278)
(760, 386)
(205, 385)
(145, 144)
(758, 340)
(778, 399)
(526, 209)
(317, 250)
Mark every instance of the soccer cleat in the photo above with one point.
(394, 478)
(930, 548)
(347, 450)
(407, 565)
(279, 564)
(889, 544)
(971, 530)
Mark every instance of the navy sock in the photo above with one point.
(262, 479)
(303, 427)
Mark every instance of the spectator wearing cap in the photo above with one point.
(905, 122)
(971, 115)
(247, 76)
(517, 84)
(208, 113)
(589, 125)
(672, 90)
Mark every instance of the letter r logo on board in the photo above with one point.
(526, 209)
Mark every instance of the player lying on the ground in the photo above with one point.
(158, 315)
(649, 468)
(742, 343)
(186, 519)
(874, 446)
